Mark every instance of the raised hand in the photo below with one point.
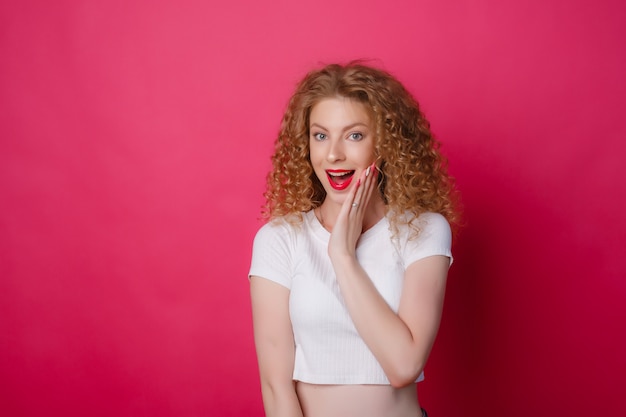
(349, 224)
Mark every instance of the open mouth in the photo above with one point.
(339, 179)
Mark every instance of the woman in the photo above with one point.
(348, 276)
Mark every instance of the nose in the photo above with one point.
(335, 151)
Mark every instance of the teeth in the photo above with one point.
(338, 174)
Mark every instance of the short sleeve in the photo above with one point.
(435, 238)
(271, 254)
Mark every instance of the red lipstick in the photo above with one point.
(339, 179)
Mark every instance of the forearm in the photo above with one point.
(390, 339)
(280, 400)
(275, 347)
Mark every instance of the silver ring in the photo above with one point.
(355, 204)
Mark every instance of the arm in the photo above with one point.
(273, 337)
(400, 342)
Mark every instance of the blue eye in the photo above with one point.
(319, 136)
(356, 136)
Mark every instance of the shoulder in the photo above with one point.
(426, 235)
(280, 228)
(433, 225)
(283, 234)
(427, 224)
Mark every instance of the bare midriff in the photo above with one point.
(358, 400)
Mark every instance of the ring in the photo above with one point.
(355, 204)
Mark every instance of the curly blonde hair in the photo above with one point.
(413, 174)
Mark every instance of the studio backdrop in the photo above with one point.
(135, 139)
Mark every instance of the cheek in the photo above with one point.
(315, 156)
(376, 153)
(313, 159)
(314, 163)
(368, 156)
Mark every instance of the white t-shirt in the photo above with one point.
(328, 348)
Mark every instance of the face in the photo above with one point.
(341, 143)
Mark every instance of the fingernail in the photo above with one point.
(367, 171)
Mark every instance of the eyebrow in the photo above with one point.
(351, 126)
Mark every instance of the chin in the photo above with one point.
(334, 198)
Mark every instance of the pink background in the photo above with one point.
(134, 142)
